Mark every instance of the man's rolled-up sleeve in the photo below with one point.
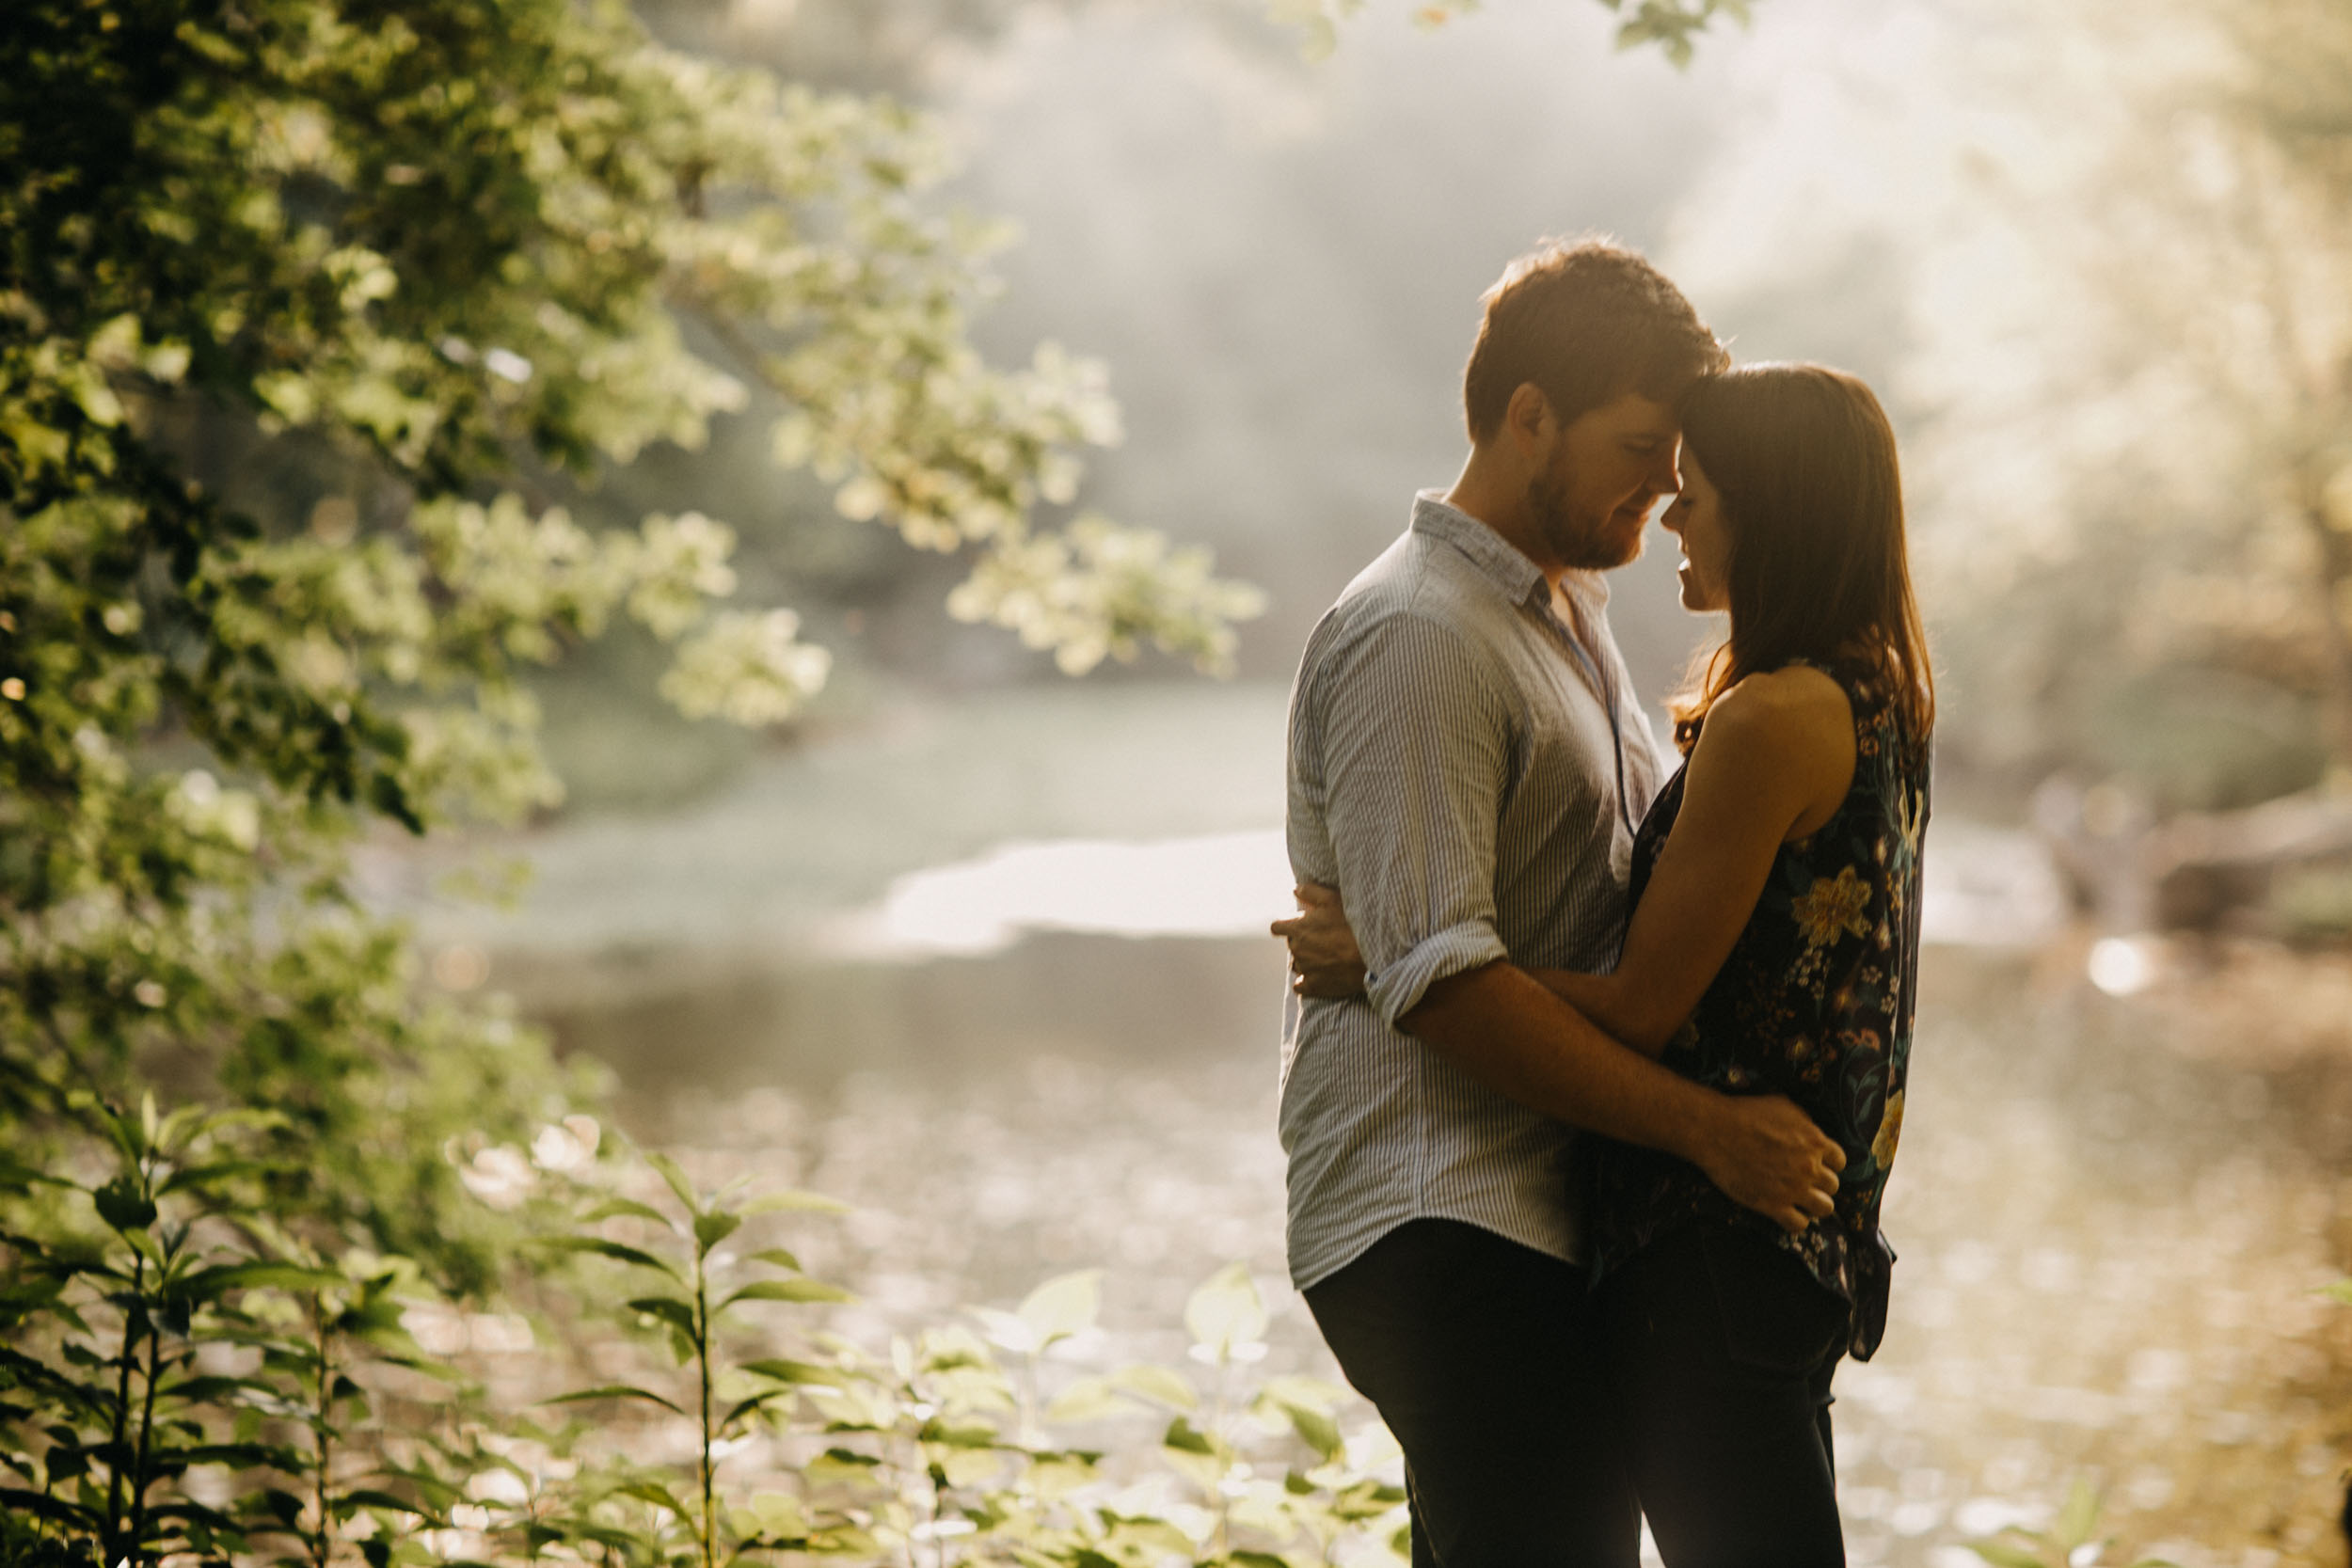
(1417, 747)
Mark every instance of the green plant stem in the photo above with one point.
(112, 1536)
(1217, 1429)
(321, 1545)
(938, 1544)
(702, 1358)
(147, 1437)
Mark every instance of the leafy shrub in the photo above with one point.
(189, 1380)
(2072, 1541)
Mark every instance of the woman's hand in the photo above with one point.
(1325, 960)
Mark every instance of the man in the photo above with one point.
(1469, 761)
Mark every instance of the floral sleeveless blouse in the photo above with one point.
(1814, 1003)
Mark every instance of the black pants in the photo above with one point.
(1478, 1353)
(1721, 1347)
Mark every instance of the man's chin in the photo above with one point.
(1608, 548)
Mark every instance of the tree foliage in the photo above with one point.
(2098, 251)
(2194, 391)
(1672, 27)
(459, 250)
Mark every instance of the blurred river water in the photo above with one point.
(986, 969)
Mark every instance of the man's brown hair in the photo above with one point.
(1587, 320)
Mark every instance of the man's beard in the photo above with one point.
(1581, 544)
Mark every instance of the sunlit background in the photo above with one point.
(976, 948)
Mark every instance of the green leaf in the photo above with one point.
(777, 1256)
(1315, 1429)
(677, 1314)
(15, 1175)
(948, 1434)
(787, 1290)
(836, 1466)
(778, 1515)
(1185, 1438)
(213, 1283)
(217, 1170)
(612, 1206)
(654, 1492)
(1062, 1306)
(1226, 1311)
(744, 1407)
(210, 1389)
(1155, 1536)
(613, 1391)
(677, 1178)
(712, 1228)
(41, 1505)
(1090, 1399)
(1160, 1384)
(2001, 1554)
(2078, 1518)
(2341, 1291)
(624, 1253)
(796, 1202)
(124, 1206)
(796, 1372)
(1312, 1392)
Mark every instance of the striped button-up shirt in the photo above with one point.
(1467, 764)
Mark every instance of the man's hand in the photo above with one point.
(1325, 960)
(1769, 1156)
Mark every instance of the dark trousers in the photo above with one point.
(1478, 1353)
(1722, 1347)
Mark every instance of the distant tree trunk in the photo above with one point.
(2331, 536)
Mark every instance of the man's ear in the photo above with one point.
(1527, 418)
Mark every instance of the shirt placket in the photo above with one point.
(1590, 654)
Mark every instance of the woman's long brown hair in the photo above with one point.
(1812, 507)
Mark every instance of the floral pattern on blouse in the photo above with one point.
(1814, 1002)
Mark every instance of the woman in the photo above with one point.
(1770, 949)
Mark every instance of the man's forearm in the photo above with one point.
(1523, 1040)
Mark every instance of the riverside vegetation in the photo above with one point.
(189, 1380)
(320, 320)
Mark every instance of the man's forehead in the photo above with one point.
(1631, 414)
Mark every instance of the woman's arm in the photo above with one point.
(1772, 764)
(1600, 998)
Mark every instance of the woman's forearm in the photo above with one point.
(1603, 999)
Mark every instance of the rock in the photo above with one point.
(2198, 871)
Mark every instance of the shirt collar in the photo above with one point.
(1497, 558)
(1499, 561)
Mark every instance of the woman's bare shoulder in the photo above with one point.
(1791, 700)
(1788, 731)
